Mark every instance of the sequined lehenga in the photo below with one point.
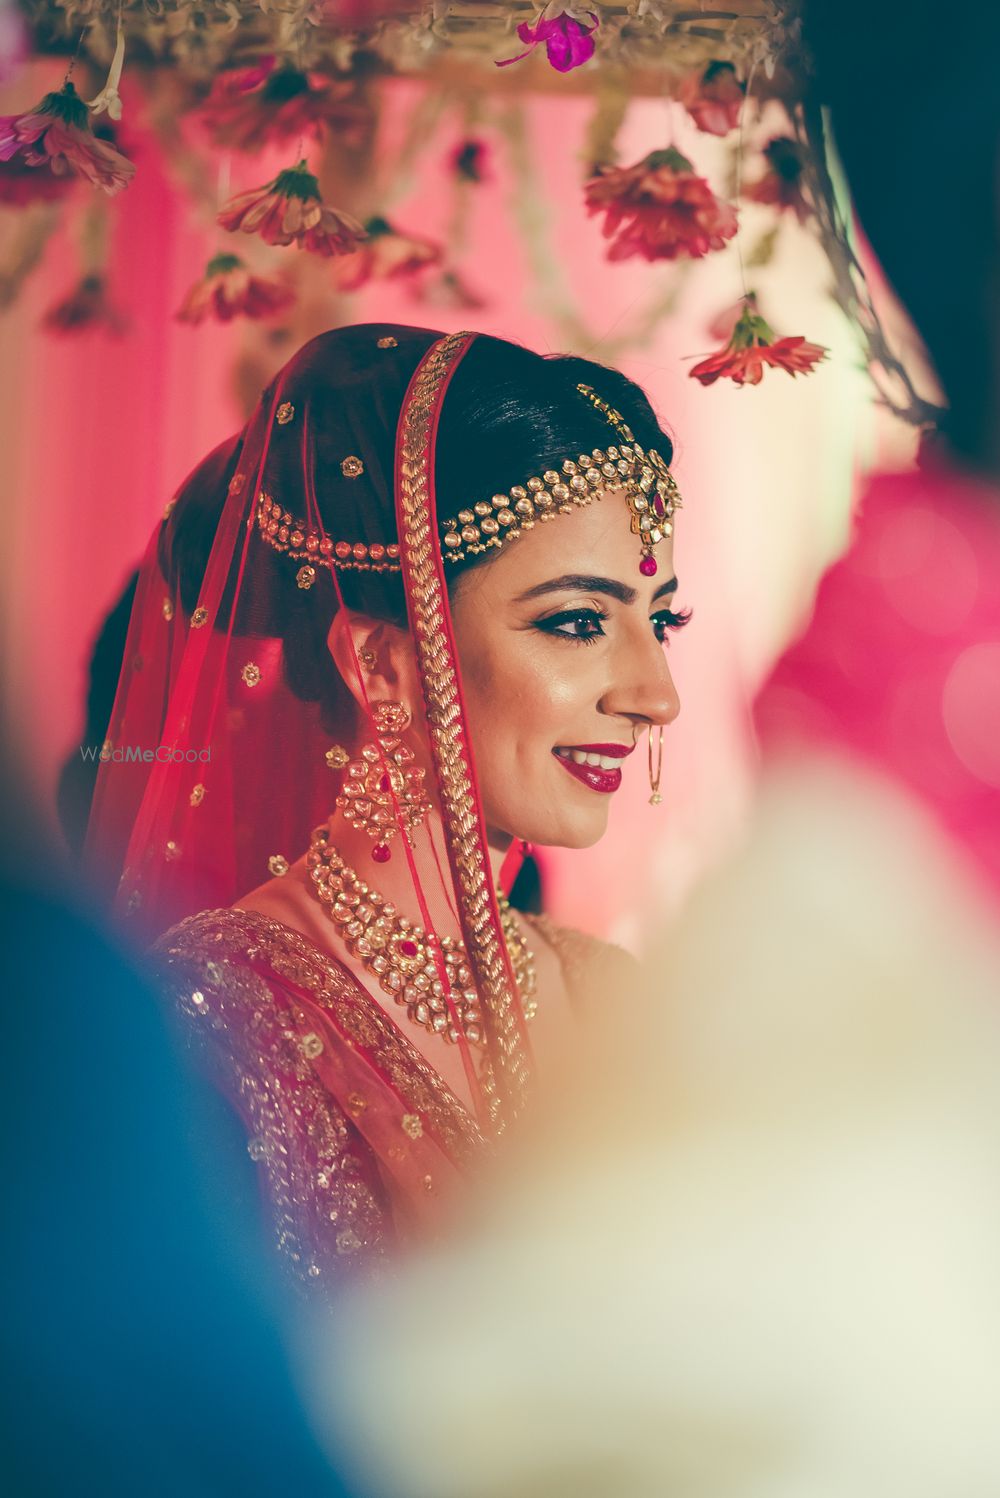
(359, 1138)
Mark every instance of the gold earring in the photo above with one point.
(654, 775)
(383, 788)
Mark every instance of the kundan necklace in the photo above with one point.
(402, 955)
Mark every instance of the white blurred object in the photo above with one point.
(758, 1251)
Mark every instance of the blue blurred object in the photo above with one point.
(141, 1340)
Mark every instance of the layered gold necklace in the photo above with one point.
(403, 957)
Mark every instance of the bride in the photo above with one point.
(363, 671)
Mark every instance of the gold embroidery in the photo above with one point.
(168, 610)
(278, 865)
(236, 483)
(299, 1136)
(251, 674)
(337, 757)
(291, 956)
(305, 577)
(352, 468)
(411, 1124)
(198, 618)
(386, 343)
(285, 413)
(197, 795)
(420, 554)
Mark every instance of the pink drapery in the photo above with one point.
(97, 432)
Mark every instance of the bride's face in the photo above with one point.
(561, 642)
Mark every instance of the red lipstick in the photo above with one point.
(605, 781)
(592, 776)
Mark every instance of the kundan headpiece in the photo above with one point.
(651, 494)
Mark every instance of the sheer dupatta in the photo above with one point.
(217, 765)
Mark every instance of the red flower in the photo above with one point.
(252, 107)
(386, 255)
(713, 98)
(781, 184)
(751, 348)
(659, 209)
(228, 289)
(58, 134)
(569, 41)
(290, 210)
(87, 306)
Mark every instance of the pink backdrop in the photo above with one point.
(97, 432)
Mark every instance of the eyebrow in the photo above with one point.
(582, 582)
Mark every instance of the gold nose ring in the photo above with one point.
(654, 774)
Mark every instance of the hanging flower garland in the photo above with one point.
(87, 308)
(229, 289)
(57, 133)
(659, 209)
(387, 254)
(273, 103)
(290, 210)
(753, 347)
(713, 97)
(565, 31)
(781, 186)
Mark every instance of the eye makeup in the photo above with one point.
(585, 625)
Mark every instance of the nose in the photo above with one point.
(643, 689)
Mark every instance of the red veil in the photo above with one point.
(215, 768)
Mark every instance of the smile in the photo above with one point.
(597, 766)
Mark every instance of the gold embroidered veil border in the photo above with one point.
(430, 622)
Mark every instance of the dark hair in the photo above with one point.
(509, 414)
(916, 119)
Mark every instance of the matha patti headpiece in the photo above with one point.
(651, 494)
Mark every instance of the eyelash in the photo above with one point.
(665, 619)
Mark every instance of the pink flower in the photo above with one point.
(58, 133)
(86, 307)
(386, 255)
(781, 184)
(249, 108)
(752, 347)
(289, 210)
(569, 41)
(659, 209)
(713, 98)
(228, 289)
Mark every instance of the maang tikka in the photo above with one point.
(383, 789)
